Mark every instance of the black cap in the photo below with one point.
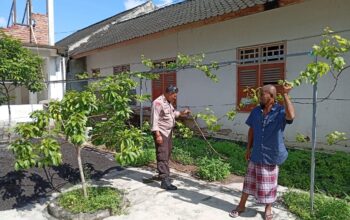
(172, 89)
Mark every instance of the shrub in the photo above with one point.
(100, 198)
(182, 156)
(235, 154)
(332, 170)
(146, 157)
(196, 147)
(213, 169)
(331, 177)
(324, 207)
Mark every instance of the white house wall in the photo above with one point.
(299, 25)
(52, 70)
(56, 75)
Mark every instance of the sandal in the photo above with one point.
(235, 213)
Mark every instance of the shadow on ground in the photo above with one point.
(21, 188)
(189, 190)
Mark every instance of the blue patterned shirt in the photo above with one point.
(268, 143)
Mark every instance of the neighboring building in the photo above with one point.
(261, 40)
(36, 32)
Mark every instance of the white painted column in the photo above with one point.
(56, 75)
(50, 14)
(33, 98)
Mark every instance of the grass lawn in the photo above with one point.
(100, 198)
(332, 176)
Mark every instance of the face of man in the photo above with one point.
(171, 97)
(265, 98)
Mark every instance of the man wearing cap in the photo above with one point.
(163, 117)
(265, 149)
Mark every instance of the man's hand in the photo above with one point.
(247, 155)
(290, 112)
(186, 112)
(287, 88)
(159, 139)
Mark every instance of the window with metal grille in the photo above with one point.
(272, 53)
(258, 66)
(121, 69)
(249, 55)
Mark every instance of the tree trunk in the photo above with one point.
(50, 180)
(8, 99)
(9, 110)
(81, 171)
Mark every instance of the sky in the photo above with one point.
(72, 15)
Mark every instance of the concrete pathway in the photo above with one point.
(194, 199)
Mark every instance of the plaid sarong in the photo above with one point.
(261, 182)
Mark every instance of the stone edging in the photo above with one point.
(55, 210)
(59, 212)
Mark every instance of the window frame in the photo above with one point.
(121, 69)
(262, 64)
(164, 78)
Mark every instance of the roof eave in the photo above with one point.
(228, 16)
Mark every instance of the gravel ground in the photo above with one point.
(19, 188)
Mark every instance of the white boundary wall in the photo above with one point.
(19, 113)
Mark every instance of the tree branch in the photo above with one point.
(336, 77)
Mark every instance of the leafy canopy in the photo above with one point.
(19, 66)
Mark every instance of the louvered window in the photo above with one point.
(165, 79)
(258, 66)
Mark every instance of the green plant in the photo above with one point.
(301, 138)
(82, 75)
(130, 142)
(182, 156)
(35, 147)
(195, 147)
(210, 119)
(231, 115)
(184, 131)
(100, 198)
(325, 207)
(146, 157)
(213, 169)
(235, 154)
(336, 136)
(332, 177)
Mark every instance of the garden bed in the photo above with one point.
(20, 188)
(101, 203)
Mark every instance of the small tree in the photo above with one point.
(18, 67)
(329, 59)
(36, 147)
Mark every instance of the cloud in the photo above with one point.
(2, 22)
(165, 2)
(132, 3)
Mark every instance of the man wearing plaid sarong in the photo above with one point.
(265, 149)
